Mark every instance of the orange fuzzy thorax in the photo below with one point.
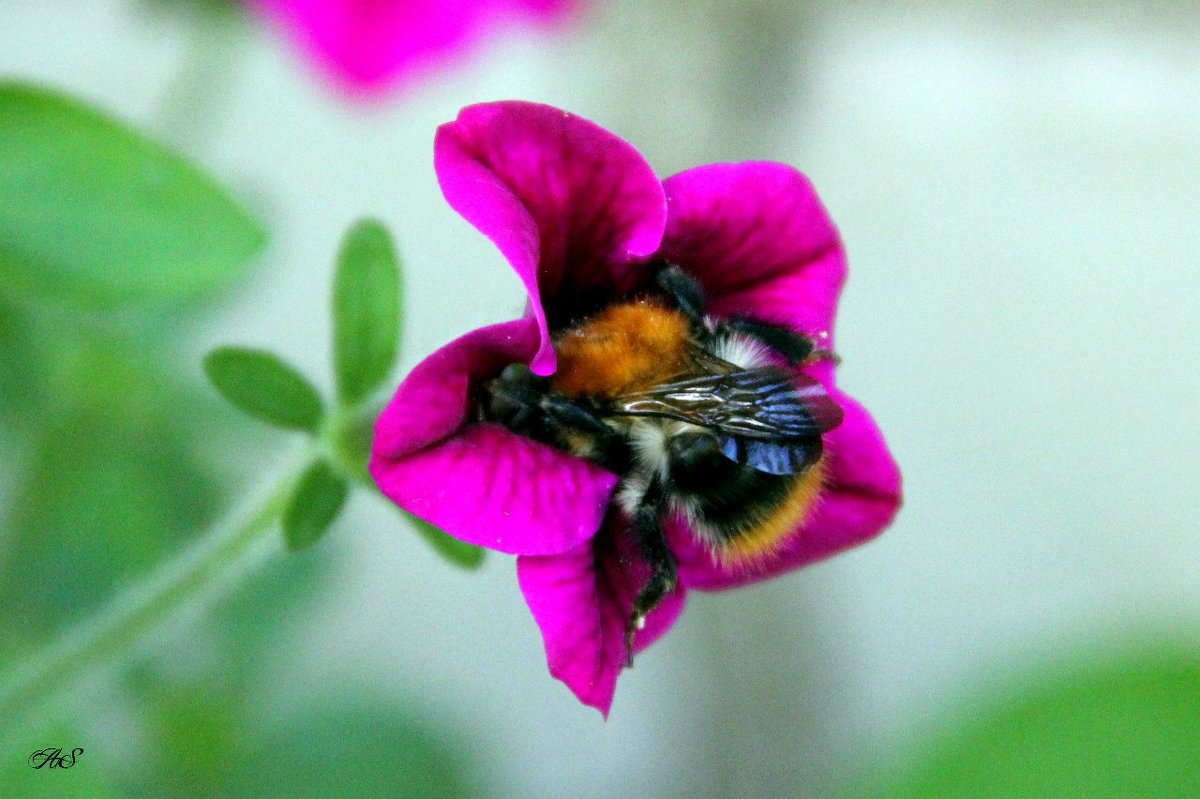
(624, 348)
(770, 535)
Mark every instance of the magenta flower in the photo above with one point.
(369, 45)
(582, 218)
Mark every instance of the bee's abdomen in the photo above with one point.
(743, 514)
(767, 521)
(625, 348)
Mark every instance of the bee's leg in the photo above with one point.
(796, 347)
(822, 354)
(685, 291)
(647, 527)
(609, 448)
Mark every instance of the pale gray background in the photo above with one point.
(1019, 193)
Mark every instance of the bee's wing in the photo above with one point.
(772, 457)
(764, 404)
(704, 362)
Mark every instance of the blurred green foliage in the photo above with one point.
(19, 779)
(202, 6)
(222, 733)
(212, 743)
(107, 216)
(103, 233)
(116, 473)
(116, 458)
(18, 367)
(350, 749)
(262, 385)
(1120, 722)
(319, 496)
(366, 311)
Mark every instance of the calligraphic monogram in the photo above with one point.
(54, 758)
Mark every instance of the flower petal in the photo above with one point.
(581, 600)
(368, 44)
(861, 497)
(490, 487)
(480, 482)
(759, 240)
(569, 204)
(435, 400)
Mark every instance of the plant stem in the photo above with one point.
(32, 691)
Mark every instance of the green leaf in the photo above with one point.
(356, 747)
(97, 214)
(198, 725)
(118, 470)
(21, 378)
(1118, 724)
(319, 496)
(457, 552)
(261, 385)
(366, 311)
(209, 737)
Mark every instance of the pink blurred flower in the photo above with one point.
(579, 215)
(370, 45)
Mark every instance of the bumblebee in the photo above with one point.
(703, 417)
